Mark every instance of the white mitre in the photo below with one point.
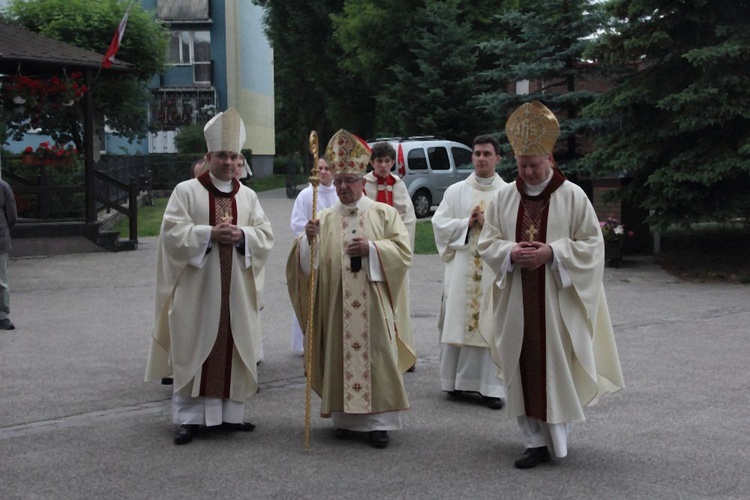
(225, 132)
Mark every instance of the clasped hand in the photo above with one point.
(476, 218)
(358, 247)
(531, 255)
(226, 233)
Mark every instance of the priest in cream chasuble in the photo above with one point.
(465, 362)
(551, 335)
(385, 187)
(363, 254)
(212, 249)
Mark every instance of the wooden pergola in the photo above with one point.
(29, 53)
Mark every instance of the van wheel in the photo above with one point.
(422, 203)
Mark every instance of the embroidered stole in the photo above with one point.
(531, 225)
(216, 373)
(474, 285)
(356, 321)
(482, 194)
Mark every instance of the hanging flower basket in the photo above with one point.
(56, 155)
(43, 95)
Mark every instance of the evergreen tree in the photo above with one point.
(299, 32)
(681, 125)
(379, 39)
(312, 92)
(374, 35)
(432, 93)
(544, 43)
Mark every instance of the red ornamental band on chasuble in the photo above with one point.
(531, 225)
(217, 369)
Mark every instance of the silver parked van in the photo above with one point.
(428, 165)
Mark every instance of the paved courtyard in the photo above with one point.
(77, 420)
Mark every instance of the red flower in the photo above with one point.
(28, 150)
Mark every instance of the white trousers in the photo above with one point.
(537, 434)
(469, 368)
(387, 421)
(187, 410)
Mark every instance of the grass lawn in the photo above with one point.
(424, 239)
(267, 183)
(149, 218)
(705, 253)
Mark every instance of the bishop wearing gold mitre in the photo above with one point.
(358, 356)
(551, 334)
(212, 249)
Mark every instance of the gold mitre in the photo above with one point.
(347, 154)
(532, 130)
(225, 132)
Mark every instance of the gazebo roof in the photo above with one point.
(36, 53)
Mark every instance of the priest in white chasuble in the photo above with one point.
(211, 253)
(466, 367)
(551, 335)
(357, 356)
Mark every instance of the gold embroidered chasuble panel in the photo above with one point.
(356, 340)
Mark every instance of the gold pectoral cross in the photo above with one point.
(226, 218)
(531, 232)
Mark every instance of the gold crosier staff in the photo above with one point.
(314, 182)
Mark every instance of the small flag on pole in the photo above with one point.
(109, 57)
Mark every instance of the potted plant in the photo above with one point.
(614, 234)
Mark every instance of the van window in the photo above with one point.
(462, 158)
(439, 158)
(416, 159)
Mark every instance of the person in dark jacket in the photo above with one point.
(7, 221)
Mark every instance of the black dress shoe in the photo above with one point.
(411, 369)
(378, 439)
(343, 433)
(493, 403)
(243, 427)
(455, 394)
(185, 434)
(6, 324)
(533, 457)
(167, 381)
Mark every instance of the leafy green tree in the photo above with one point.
(681, 125)
(190, 139)
(544, 43)
(90, 24)
(432, 93)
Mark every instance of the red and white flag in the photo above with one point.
(109, 57)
